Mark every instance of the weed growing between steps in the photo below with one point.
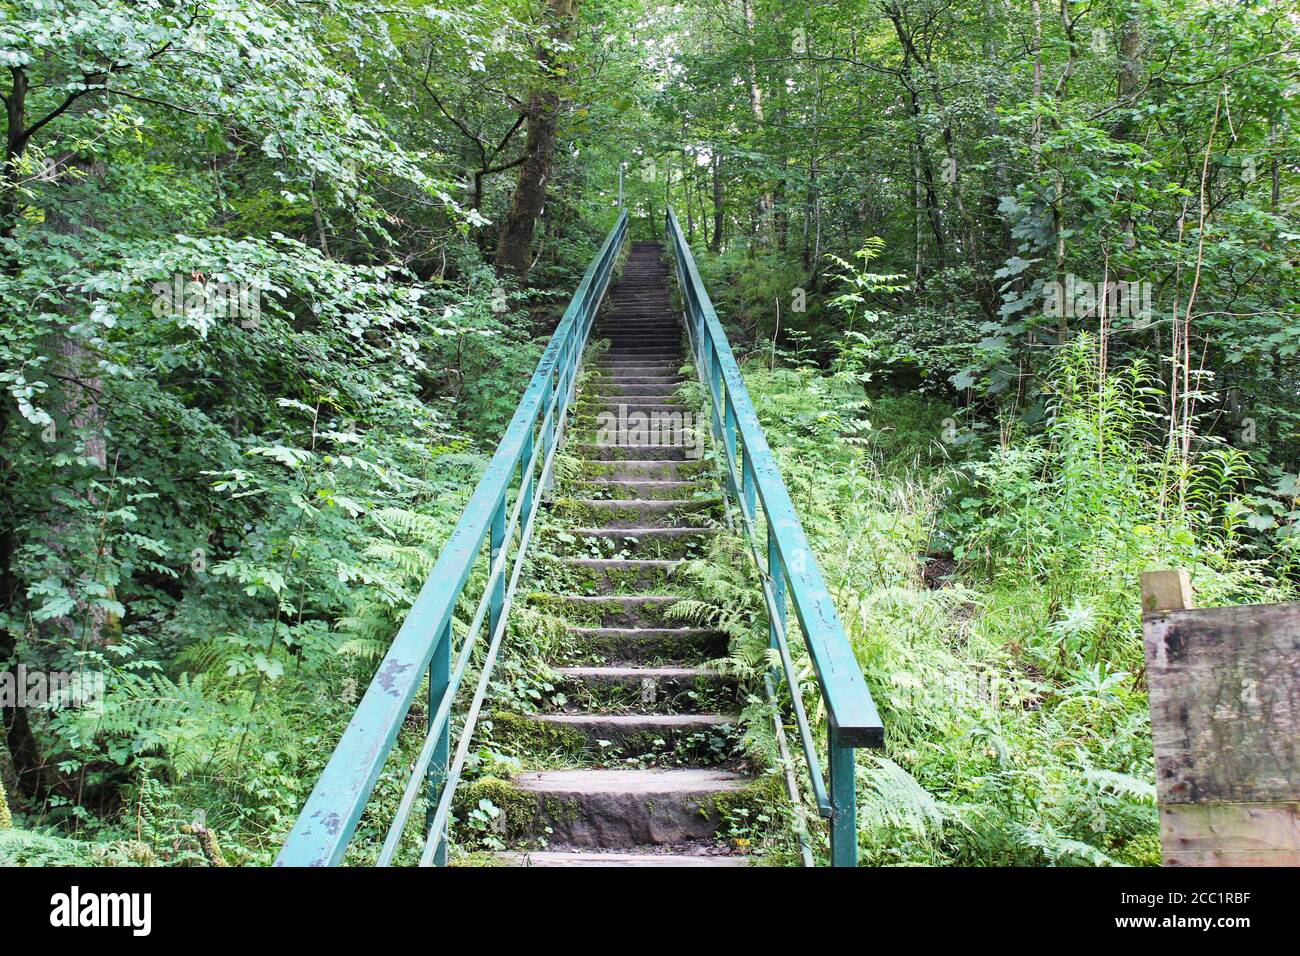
(1012, 690)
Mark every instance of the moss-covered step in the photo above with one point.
(609, 610)
(617, 809)
(668, 645)
(638, 512)
(687, 855)
(626, 490)
(609, 575)
(665, 690)
(603, 389)
(639, 367)
(650, 385)
(686, 739)
(661, 412)
(644, 542)
(615, 447)
(643, 470)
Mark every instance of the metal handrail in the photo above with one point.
(522, 463)
(790, 569)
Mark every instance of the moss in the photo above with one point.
(584, 579)
(761, 796)
(581, 513)
(523, 734)
(609, 613)
(649, 651)
(518, 807)
(6, 821)
(701, 695)
(523, 815)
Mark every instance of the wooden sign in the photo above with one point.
(1225, 717)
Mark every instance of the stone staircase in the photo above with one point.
(652, 730)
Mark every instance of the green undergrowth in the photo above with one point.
(1010, 685)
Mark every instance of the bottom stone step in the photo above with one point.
(553, 858)
(617, 809)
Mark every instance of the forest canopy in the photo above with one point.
(274, 275)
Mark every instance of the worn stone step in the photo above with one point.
(646, 542)
(634, 405)
(607, 610)
(577, 858)
(641, 470)
(632, 489)
(631, 368)
(616, 809)
(611, 385)
(614, 575)
(643, 334)
(642, 391)
(676, 645)
(676, 360)
(657, 352)
(703, 738)
(638, 512)
(614, 449)
(644, 327)
(642, 689)
(619, 468)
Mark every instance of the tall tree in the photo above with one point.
(515, 246)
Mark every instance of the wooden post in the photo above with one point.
(1225, 719)
(1166, 591)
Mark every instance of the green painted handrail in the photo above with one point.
(423, 645)
(790, 570)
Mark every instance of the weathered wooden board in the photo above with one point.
(1230, 834)
(1225, 718)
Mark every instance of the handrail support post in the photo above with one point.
(498, 540)
(844, 798)
(439, 682)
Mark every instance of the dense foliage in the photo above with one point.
(1016, 283)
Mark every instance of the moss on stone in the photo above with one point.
(761, 796)
(523, 734)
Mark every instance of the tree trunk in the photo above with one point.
(514, 248)
(70, 212)
(719, 217)
(756, 107)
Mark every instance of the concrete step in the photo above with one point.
(573, 858)
(678, 645)
(615, 809)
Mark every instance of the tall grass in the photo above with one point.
(1013, 692)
